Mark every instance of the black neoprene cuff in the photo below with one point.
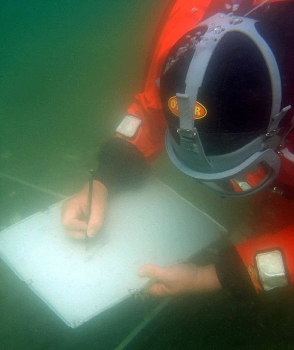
(120, 165)
(232, 273)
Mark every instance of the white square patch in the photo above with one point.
(129, 126)
(271, 269)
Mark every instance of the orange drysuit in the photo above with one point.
(276, 212)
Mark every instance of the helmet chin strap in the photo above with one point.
(189, 136)
(275, 121)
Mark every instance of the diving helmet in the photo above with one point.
(221, 93)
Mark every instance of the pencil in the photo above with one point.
(89, 204)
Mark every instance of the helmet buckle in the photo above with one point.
(188, 139)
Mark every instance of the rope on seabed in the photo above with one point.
(45, 190)
(143, 324)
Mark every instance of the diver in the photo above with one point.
(219, 95)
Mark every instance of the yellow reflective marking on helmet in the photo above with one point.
(199, 112)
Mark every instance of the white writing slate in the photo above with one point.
(150, 225)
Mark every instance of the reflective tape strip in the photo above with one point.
(129, 126)
(271, 269)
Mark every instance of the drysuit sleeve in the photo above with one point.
(259, 264)
(145, 125)
(140, 135)
(120, 165)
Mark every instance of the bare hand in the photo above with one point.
(180, 279)
(75, 209)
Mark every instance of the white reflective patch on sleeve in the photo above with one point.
(129, 126)
(271, 269)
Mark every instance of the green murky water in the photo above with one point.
(69, 69)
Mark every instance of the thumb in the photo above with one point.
(151, 271)
(156, 275)
(95, 223)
